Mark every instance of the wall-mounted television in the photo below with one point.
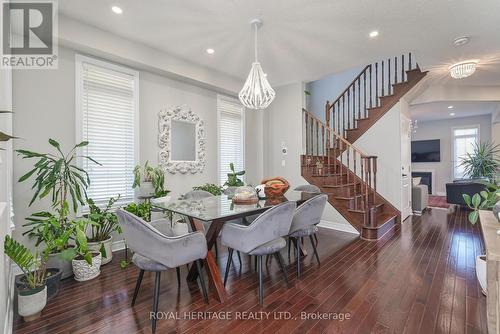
(426, 151)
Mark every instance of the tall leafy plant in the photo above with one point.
(483, 161)
(57, 176)
(105, 221)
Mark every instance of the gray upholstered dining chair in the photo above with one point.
(262, 237)
(308, 188)
(200, 194)
(156, 252)
(306, 217)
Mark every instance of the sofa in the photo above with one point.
(455, 189)
(419, 198)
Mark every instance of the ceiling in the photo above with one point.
(439, 110)
(301, 40)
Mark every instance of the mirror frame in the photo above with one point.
(185, 114)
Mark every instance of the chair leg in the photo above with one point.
(289, 246)
(228, 265)
(202, 282)
(239, 258)
(267, 259)
(314, 248)
(298, 241)
(137, 286)
(216, 249)
(178, 271)
(261, 281)
(283, 268)
(316, 238)
(255, 260)
(155, 300)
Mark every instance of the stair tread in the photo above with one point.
(339, 186)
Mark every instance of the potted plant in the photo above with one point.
(319, 166)
(141, 210)
(483, 162)
(488, 199)
(99, 233)
(86, 263)
(32, 296)
(211, 188)
(56, 175)
(233, 181)
(150, 181)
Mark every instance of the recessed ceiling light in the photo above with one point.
(452, 114)
(450, 107)
(116, 10)
(210, 51)
(374, 34)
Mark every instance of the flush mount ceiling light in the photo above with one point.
(374, 34)
(452, 114)
(210, 51)
(450, 107)
(256, 93)
(116, 10)
(461, 41)
(463, 69)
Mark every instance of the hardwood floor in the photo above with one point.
(420, 280)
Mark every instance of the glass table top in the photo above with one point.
(218, 207)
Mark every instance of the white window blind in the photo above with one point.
(107, 119)
(464, 140)
(231, 117)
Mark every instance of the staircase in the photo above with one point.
(336, 165)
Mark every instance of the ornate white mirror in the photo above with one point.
(181, 140)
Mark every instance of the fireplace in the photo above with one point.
(426, 179)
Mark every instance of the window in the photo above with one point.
(464, 140)
(231, 118)
(106, 106)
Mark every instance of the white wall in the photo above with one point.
(442, 130)
(283, 126)
(496, 133)
(6, 275)
(383, 139)
(44, 105)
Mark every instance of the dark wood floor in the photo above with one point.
(421, 280)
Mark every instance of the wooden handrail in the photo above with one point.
(350, 85)
(361, 153)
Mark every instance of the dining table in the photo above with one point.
(213, 212)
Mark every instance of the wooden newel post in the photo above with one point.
(327, 113)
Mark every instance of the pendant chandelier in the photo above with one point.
(256, 93)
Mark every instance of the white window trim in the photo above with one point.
(79, 60)
(243, 131)
(454, 149)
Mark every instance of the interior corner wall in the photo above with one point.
(44, 106)
(383, 139)
(442, 130)
(283, 128)
(495, 133)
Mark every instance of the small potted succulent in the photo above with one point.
(99, 234)
(86, 262)
(32, 296)
(233, 181)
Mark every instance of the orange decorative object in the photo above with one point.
(275, 187)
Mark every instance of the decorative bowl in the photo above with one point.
(275, 187)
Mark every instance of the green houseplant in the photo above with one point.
(105, 222)
(58, 176)
(233, 181)
(482, 162)
(141, 210)
(485, 200)
(86, 262)
(150, 180)
(32, 297)
(211, 188)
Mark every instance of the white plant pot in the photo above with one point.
(31, 303)
(85, 272)
(147, 189)
(159, 200)
(481, 272)
(180, 229)
(96, 247)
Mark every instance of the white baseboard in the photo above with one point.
(118, 245)
(337, 227)
(441, 193)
